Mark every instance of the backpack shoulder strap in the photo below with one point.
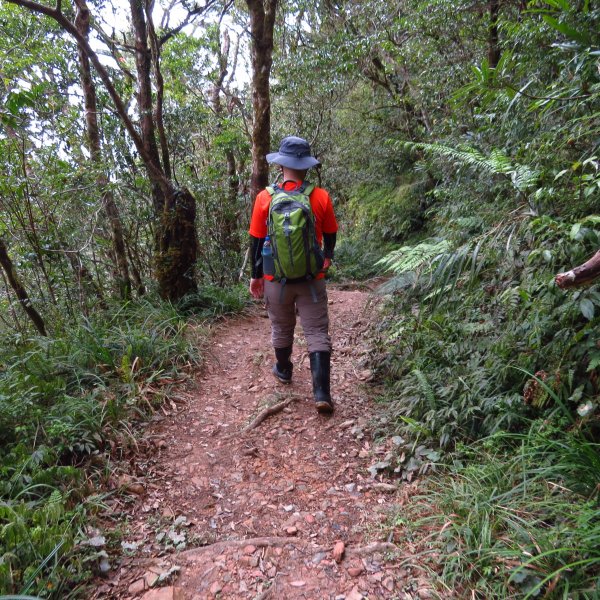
(307, 189)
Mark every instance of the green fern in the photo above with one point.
(419, 258)
(511, 297)
(426, 388)
(497, 163)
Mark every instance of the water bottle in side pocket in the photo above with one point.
(267, 258)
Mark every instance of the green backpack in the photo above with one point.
(291, 229)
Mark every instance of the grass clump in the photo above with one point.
(519, 517)
(213, 301)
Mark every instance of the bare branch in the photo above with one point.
(152, 166)
(192, 14)
(584, 273)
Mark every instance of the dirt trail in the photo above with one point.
(265, 509)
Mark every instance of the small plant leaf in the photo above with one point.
(587, 308)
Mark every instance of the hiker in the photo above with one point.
(298, 223)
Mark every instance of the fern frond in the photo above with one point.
(419, 258)
(497, 163)
(426, 388)
(511, 297)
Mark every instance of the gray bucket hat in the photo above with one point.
(294, 153)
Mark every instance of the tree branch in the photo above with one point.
(192, 14)
(9, 269)
(584, 273)
(153, 168)
(160, 90)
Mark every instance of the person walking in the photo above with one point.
(271, 228)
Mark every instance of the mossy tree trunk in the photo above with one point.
(175, 209)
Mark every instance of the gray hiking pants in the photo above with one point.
(311, 306)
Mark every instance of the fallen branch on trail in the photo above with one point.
(584, 273)
(267, 412)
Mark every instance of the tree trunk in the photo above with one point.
(584, 273)
(176, 240)
(20, 291)
(177, 246)
(82, 22)
(230, 214)
(494, 52)
(262, 22)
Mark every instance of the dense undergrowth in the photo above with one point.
(490, 376)
(490, 380)
(69, 407)
(484, 346)
(489, 371)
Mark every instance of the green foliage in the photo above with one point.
(420, 258)
(386, 214)
(469, 331)
(497, 163)
(355, 259)
(375, 219)
(501, 138)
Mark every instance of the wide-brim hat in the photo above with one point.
(294, 153)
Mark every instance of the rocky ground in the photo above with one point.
(249, 493)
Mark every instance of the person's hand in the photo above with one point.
(257, 288)
(326, 264)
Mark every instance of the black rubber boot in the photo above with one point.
(320, 367)
(283, 368)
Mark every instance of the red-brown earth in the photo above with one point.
(225, 507)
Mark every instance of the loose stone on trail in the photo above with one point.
(338, 551)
